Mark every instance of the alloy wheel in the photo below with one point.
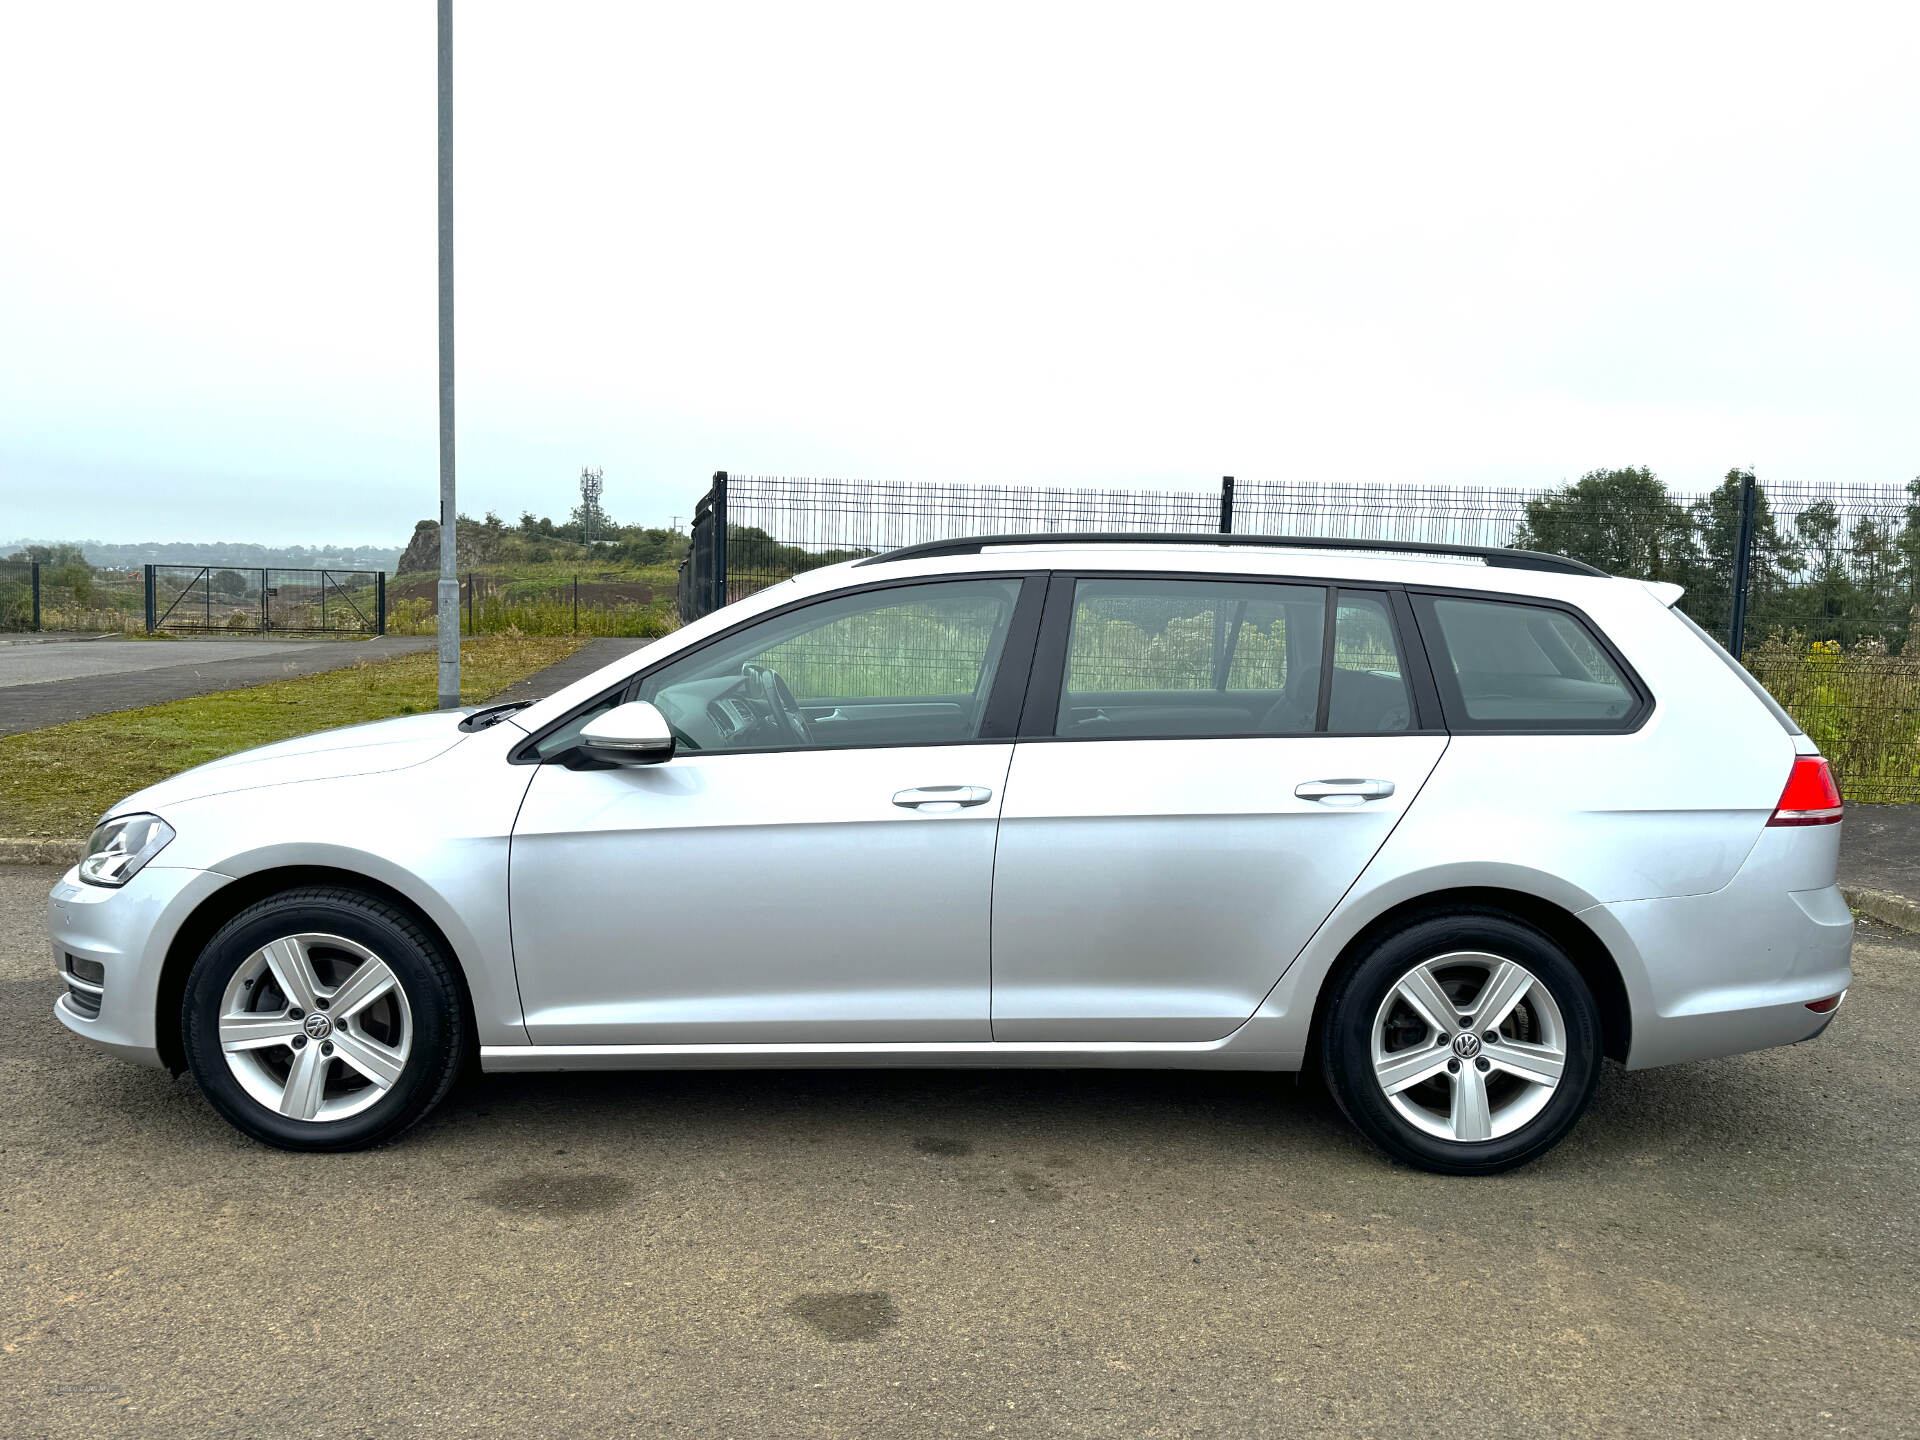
(315, 1027)
(1469, 1046)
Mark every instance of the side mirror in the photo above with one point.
(632, 734)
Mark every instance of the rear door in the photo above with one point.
(1206, 765)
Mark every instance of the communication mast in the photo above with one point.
(590, 488)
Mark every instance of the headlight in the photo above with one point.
(120, 846)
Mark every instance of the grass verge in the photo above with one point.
(56, 782)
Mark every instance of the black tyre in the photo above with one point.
(1466, 1044)
(323, 1019)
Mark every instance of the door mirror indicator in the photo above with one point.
(635, 733)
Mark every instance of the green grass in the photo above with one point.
(1861, 706)
(56, 782)
(542, 599)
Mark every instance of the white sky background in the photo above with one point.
(1096, 245)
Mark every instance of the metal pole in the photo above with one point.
(36, 594)
(149, 597)
(719, 540)
(380, 602)
(1226, 504)
(449, 616)
(470, 629)
(1742, 568)
(576, 604)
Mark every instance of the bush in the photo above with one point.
(1861, 706)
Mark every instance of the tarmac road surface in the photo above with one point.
(1730, 1248)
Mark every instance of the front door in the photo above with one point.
(1210, 788)
(814, 865)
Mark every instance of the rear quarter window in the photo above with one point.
(1511, 665)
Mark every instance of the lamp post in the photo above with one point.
(449, 589)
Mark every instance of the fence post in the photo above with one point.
(1226, 504)
(36, 595)
(1742, 567)
(470, 629)
(151, 617)
(719, 539)
(576, 604)
(380, 602)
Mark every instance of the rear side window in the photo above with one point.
(1507, 665)
(1179, 658)
(1368, 695)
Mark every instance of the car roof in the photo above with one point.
(1342, 566)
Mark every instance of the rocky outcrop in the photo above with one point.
(423, 550)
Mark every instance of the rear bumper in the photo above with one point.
(1734, 970)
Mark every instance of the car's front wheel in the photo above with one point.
(323, 1019)
(1466, 1044)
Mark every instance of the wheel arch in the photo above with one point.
(1583, 946)
(229, 900)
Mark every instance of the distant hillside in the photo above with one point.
(493, 545)
(228, 552)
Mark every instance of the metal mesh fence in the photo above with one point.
(70, 596)
(17, 584)
(608, 603)
(778, 527)
(1817, 587)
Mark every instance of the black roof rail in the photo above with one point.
(1491, 555)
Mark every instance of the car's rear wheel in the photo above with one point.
(1465, 1044)
(323, 1019)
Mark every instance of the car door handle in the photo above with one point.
(939, 799)
(1343, 792)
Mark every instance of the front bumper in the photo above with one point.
(126, 932)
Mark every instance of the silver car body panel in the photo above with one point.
(1153, 890)
(759, 898)
(1200, 902)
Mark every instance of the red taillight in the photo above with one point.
(1811, 797)
(1828, 1005)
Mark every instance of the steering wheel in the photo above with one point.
(779, 700)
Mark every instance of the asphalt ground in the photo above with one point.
(583, 662)
(1720, 1249)
(1880, 849)
(51, 682)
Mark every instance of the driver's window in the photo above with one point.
(910, 664)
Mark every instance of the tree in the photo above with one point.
(1716, 523)
(52, 555)
(589, 517)
(1907, 547)
(1623, 521)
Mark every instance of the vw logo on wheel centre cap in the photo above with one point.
(318, 1026)
(1466, 1044)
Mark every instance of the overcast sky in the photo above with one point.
(1034, 243)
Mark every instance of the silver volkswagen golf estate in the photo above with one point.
(1446, 827)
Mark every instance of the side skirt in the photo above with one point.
(1183, 1055)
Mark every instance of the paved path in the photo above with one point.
(50, 683)
(1880, 849)
(583, 662)
(1729, 1249)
